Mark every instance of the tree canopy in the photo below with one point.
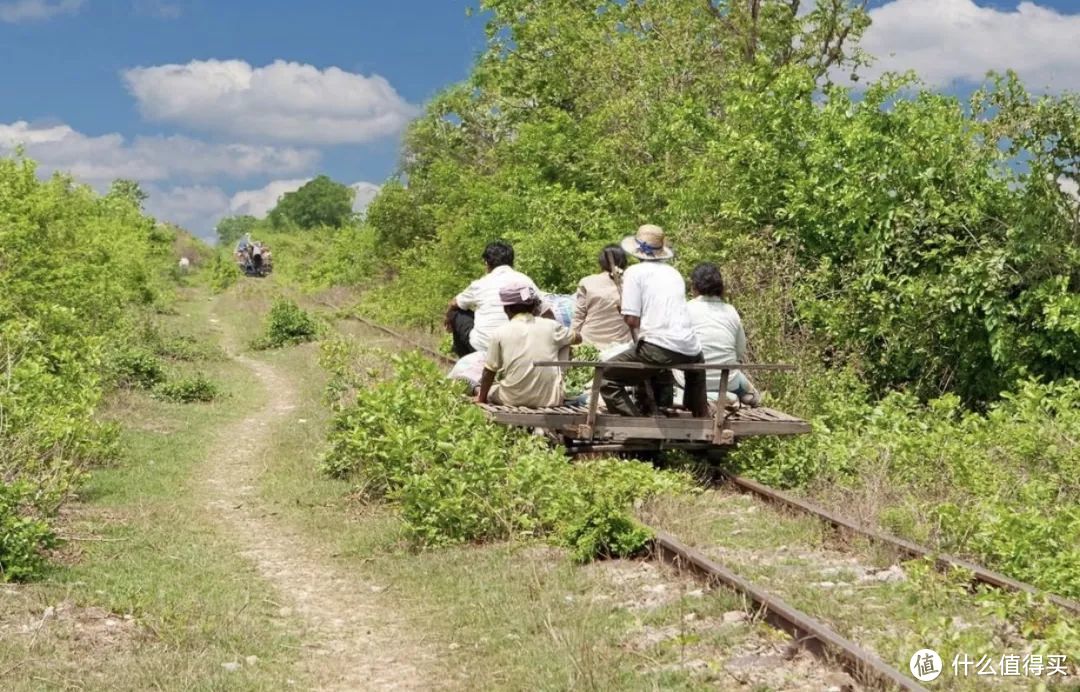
(885, 227)
(319, 202)
(231, 228)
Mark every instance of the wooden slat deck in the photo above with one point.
(569, 421)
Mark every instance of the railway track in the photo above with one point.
(809, 633)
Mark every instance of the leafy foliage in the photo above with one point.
(1004, 486)
(286, 325)
(133, 366)
(223, 271)
(189, 389)
(318, 203)
(232, 228)
(457, 477)
(75, 269)
(22, 534)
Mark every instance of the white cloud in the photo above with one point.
(259, 202)
(365, 192)
(283, 101)
(100, 159)
(1069, 187)
(36, 10)
(198, 208)
(947, 41)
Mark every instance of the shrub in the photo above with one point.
(287, 324)
(137, 367)
(1001, 486)
(185, 390)
(23, 536)
(223, 271)
(75, 271)
(414, 439)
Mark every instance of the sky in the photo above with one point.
(217, 108)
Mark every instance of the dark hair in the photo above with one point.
(707, 281)
(520, 308)
(498, 253)
(612, 252)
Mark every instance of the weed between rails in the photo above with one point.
(287, 324)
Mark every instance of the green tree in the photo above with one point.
(320, 202)
(231, 228)
(129, 190)
(886, 227)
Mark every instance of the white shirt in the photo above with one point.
(482, 297)
(720, 329)
(655, 292)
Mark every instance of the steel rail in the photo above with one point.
(430, 352)
(810, 634)
(669, 547)
(942, 561)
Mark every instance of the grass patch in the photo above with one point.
(507, 615)
(148, 594)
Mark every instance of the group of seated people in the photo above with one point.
(502, 325)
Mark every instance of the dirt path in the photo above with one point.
(350, 640)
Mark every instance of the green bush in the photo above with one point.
(137, 367)
(1003, 486)
(76, 271)
(287, 324)
(23, 536)
(223, 271)
(456, 477)
(185, 390)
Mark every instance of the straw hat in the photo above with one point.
(648, 244)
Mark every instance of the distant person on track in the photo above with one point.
(475, 313)
(720, 330)
(654, 308)
(597, 316)
(516, 345)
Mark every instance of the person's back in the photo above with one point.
(475, 313)
(656, 293)
(719, 328)
(482, 296)
(597, 316)
(513, 349)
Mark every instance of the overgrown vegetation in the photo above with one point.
(189, 389)
(915, 254)
(1000, 486)
(287, 324)
(78, 271)
(415, 440)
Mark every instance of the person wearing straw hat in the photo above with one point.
(514, 348)
(654, 307)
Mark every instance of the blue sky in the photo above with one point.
(219, 107)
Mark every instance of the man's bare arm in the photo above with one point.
(486, 380)
(632, 321)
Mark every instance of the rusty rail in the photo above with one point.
(808, 633)
(941, 560)
(430, 352)
(701, 563)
